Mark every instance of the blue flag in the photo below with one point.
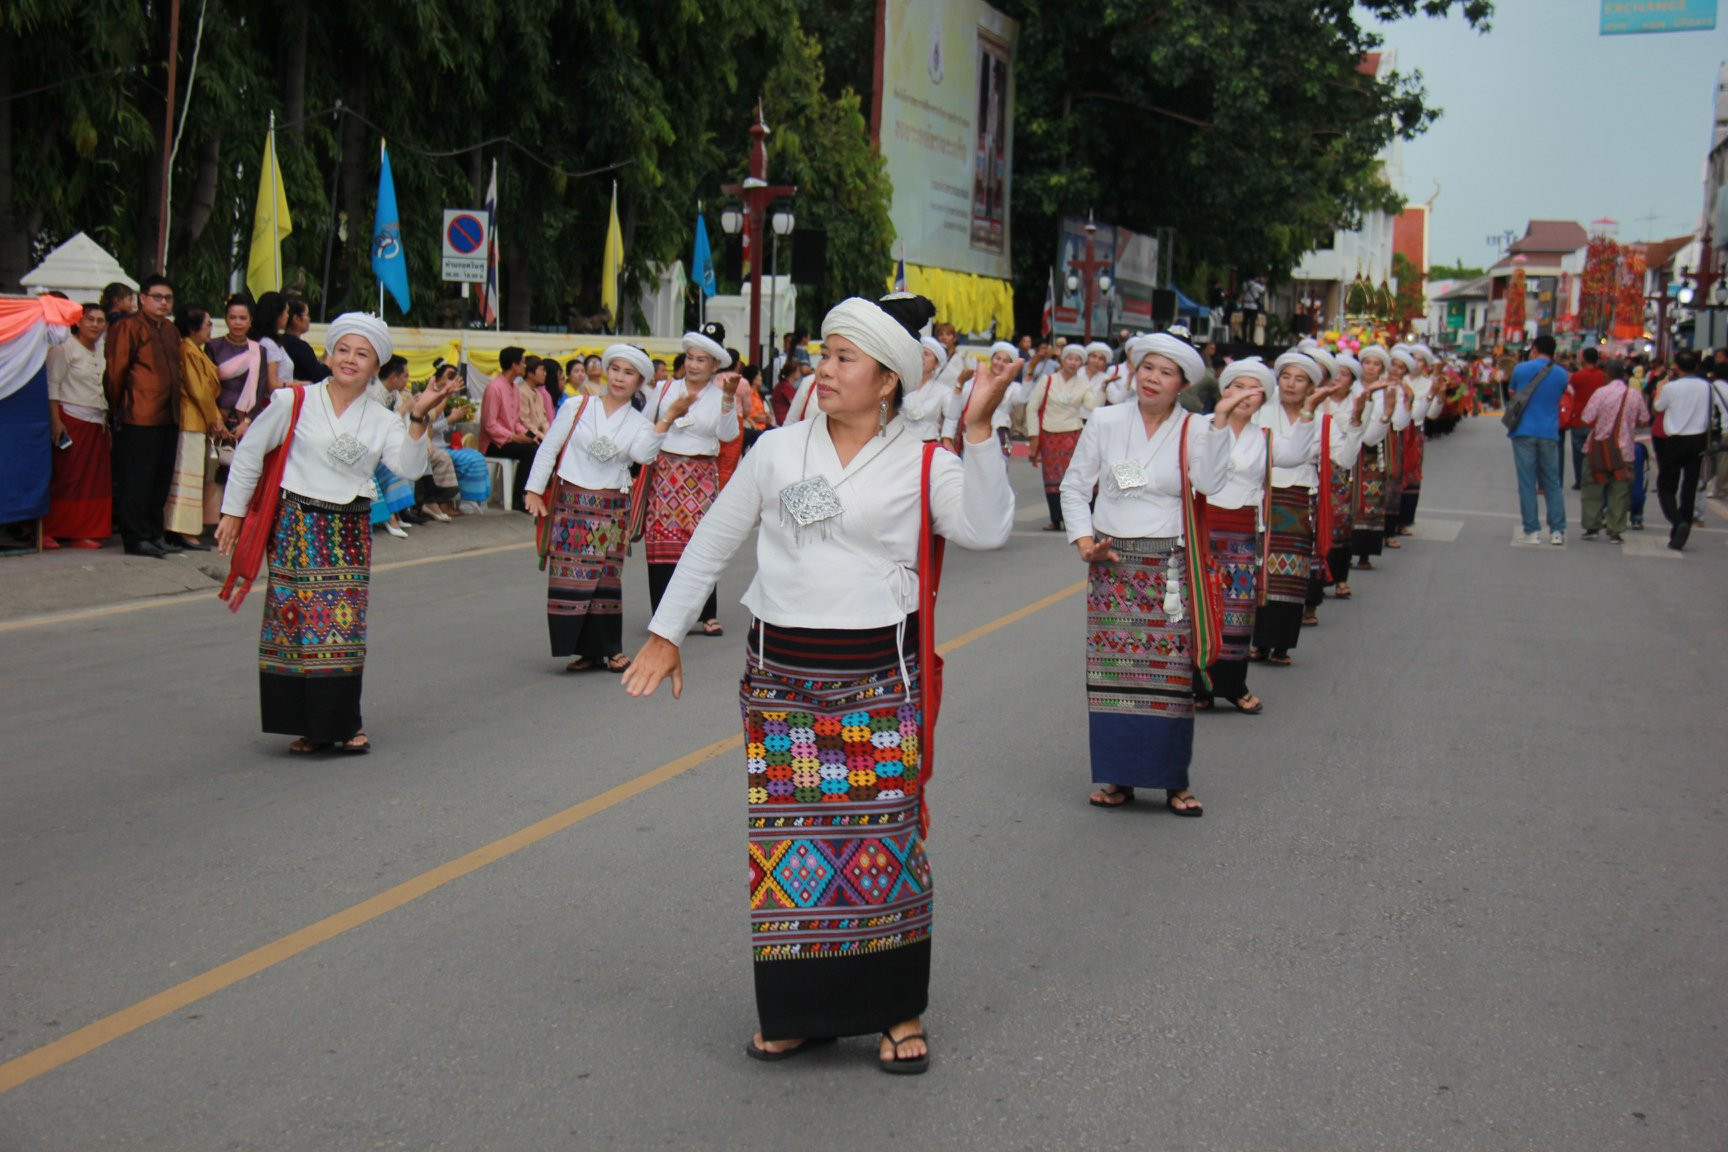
(389, 261)
(702, 263)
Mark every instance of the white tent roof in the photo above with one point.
(81, 268)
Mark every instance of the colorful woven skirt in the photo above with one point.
(1235, 540)
(1415, 452)
(1055, 452)
(1338, 548)
(840, 890)
(1139, 669)
(1394, 480)
(1289, 562)
(682, 491)
(584, 587)
(1368, 502)
(81, 489)
(312, 648)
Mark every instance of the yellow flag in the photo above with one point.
(612, 260)
(270, 225)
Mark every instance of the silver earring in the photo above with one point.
(882, 419)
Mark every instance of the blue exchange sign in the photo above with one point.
(1630, 17)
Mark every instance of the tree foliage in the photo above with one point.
(1458, 271)
(566, 95)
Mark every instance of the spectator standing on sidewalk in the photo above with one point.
(1536, 442)
(1582, 385)
(143, 387)
(80, 494)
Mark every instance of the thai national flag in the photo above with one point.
(488, 291)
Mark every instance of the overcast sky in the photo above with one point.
(1545, 118)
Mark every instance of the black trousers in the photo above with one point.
(660, 575)
(1679, 460)
(143, 473)
(1054, 500)
(523, 454)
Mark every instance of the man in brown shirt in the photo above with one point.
(143, 387)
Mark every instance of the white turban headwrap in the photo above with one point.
(1307, 344)
(632, 356)
(366, 326)
(880, 337)
(1004, 346)
(1345, 360)
(1404, 357)
(1251, 366)
(1102, 348)
(1376, 352)
(1303, 361)
(1327, 361)
(1185, 355)
(1424, 351)
(696, 342)
(934, 347)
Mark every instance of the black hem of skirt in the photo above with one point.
(842, 995)
(1367, 542)
(593, 636)
(323, 709)
(1278, 625)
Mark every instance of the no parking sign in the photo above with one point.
(464, 245)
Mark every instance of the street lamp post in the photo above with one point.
(780, 222)
(756, 194)
(1088, 272)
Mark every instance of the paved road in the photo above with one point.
(1460, 887)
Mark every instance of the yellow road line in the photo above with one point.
(195, 595)
(87, 1039)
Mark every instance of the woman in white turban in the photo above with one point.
(1234, 517)
(1056, 410)
(586, 457)
(1385, 416)
(833, 693)
(1290, 519)
(1151, 613)
(309, 507)
(1401, 365)
(686, 477)
(925, 406)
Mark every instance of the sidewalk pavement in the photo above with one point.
(69, 580)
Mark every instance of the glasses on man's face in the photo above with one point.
(164, 297)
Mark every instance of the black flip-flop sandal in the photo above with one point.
(612, 665)
(712, 628)
(898, 1066)
(1191, 806)
(1111, 790)
(581, 664)
(349, 748)
(768, 1057)
(304, 747)
(1259, 706)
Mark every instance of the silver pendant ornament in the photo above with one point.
(346, 450)
(1126, 477)
(811, 508)
(602, 448)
